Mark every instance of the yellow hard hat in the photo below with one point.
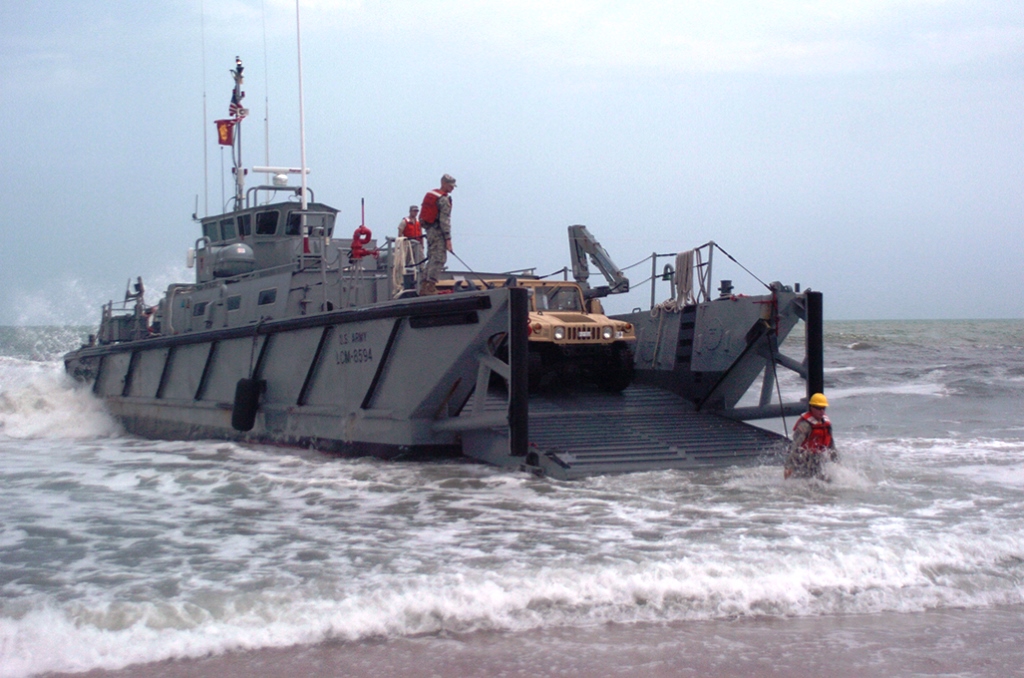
(818, 400)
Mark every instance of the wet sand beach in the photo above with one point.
(985, 642)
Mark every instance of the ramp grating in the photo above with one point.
(643, 428)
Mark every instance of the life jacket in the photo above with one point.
(429, 211)
(412, 229)
(820, 437)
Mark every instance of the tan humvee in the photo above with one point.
(570, 338)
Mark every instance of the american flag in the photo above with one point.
(235, 110)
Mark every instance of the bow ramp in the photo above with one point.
(642, 429)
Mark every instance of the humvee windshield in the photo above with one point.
(566, 298)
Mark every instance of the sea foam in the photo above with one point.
(37, 400)
(709, 584)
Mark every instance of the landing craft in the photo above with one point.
(292, 335)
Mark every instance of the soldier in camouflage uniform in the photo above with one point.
(436, 219)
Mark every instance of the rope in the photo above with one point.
(402, 257)
(667, 306)
(637, 264)
(252, 350)
(561, 270)
(733, 259)
(645, 281)
(479, 277)
(778, 390)
(657, 343)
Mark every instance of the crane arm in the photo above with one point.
(583, 247)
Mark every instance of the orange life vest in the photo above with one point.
(820, 437)
(428, 211)
(412, 229)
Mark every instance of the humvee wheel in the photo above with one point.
(618, 374)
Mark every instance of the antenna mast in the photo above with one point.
(302, 115)
(266, 94)
(302, 136)
(206, 162)
(238, 112)
(229, 133)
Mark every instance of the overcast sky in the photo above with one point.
(871, 150)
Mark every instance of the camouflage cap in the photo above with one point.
(448, 179)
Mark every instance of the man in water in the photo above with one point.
(436, 219)
(812, 442)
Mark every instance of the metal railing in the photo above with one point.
(703, 256)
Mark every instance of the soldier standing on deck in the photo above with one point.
(436, 219)
(409, 228)
(812, 442)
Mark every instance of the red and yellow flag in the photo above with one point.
(225, 132)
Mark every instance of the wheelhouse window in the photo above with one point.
(245, 225)
(294, 224)
(266, 222)
(320, 225)
(235, 302)
(227, 229)
(210, 230)
(267, 297)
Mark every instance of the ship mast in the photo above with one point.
(229, 133)
(237, 113)
(302, 138)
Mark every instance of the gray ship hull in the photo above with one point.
(374, 380)
(423, 378)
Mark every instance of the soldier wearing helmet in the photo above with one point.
(812, 442)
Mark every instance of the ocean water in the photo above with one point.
(117, 551)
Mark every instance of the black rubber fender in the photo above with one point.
(247, 401)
